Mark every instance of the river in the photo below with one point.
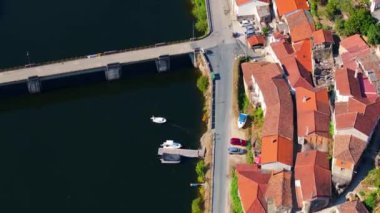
(92, 148)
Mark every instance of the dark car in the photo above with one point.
(238, 142)
(235, 150)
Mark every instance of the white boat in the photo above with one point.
(170, 144)
(242, 120)
(159, 120)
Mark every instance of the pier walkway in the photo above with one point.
(190, 153)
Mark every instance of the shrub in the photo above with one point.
(266, 31)
(202, 83)
(371, 200)
(373, 34)
(258, 116)
(200, 170)
(196, 205)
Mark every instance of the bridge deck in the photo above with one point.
(190, 153)
(69, 67)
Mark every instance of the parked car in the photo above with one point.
(244, 22)
(235, 150)
(249, 27)
(238, 142)
(249, 32)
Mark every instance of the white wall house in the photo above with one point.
(257, 95)
(251, 9)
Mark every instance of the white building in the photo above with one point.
(257, 9)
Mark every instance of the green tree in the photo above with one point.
(359, 22)
(373, 34)
(332, 9)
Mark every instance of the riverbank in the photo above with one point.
(203, 202)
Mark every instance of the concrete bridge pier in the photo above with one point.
(194, 57)
(163, 63)
(113, 71)
(34, 84)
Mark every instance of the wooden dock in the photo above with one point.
(190, 153)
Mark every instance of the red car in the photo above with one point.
(238, 142)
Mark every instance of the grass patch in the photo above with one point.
(249, 156)
(258, 117)
(331, 128)
(235, 200)
(199, 11)
(202, 83)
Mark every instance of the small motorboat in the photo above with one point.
(170, 144)
(159, 120)
(242, 120)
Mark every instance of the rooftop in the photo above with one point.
(301, 25)
(284, 7)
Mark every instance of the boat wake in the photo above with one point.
(180, 128)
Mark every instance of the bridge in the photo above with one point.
(110, 63)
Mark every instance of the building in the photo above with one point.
(312, 180)
(256, 41)
(346, 85)
(323, 61)
(347, 152)
(347, 207)
(281, 7)
(313, 118)
(262, 192)
(257, 9)
(357, 117)
(300, 24)
(267, 88)
(322, 38)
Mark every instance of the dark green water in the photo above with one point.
(93, 148)
(51, 29)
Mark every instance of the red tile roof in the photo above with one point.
(301, 25)
(252, 184)
(287, 6)
(346, 82)
(348, 148)
(313, 171)
(352, 207)
(322, 36)
(276, 149)
(256, 188)
(354, 43)
(256, 40)
(296, 76)
(304, 54)
(313, 111)
(279, 189)
(357, 114)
